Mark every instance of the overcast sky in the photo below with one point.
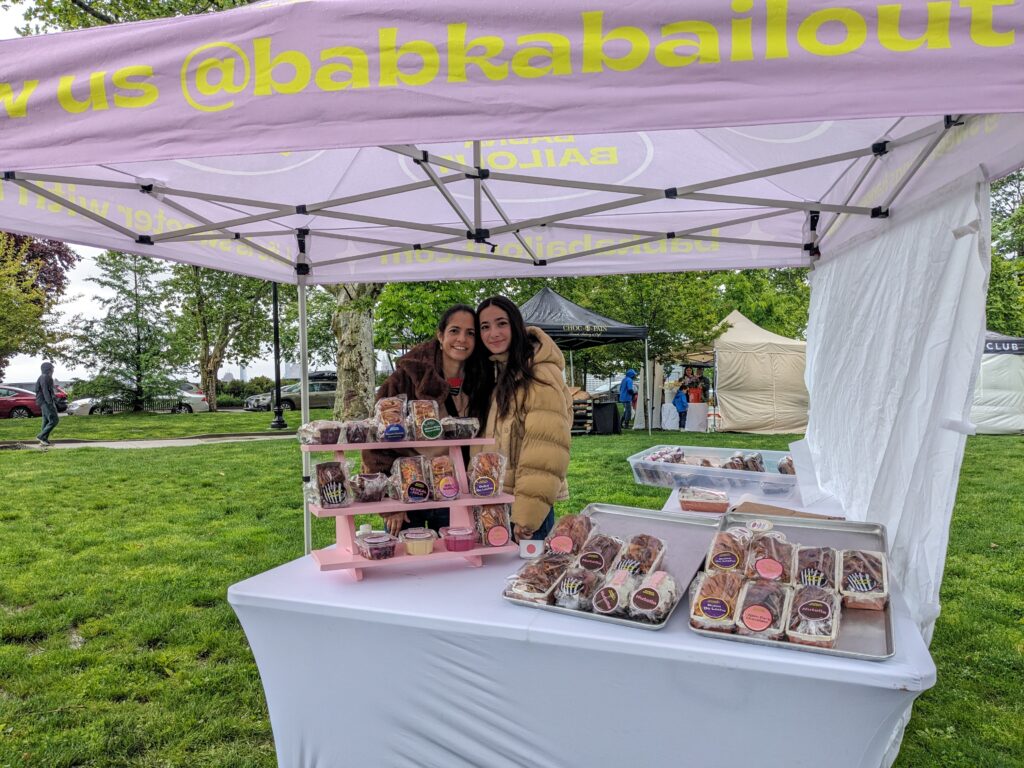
(81, 295)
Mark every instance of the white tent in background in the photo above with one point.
(759, 379)
(998, 407)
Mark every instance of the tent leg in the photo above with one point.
(307, 520)
(647, 394)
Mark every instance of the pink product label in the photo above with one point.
(756, 618)
(767, 568)
(418, 491)
(448, 488)
(815, 610)
(497, 536)
(592, 561)
(606, 600)
(529, 548)
(646, 599)
(657, 578)
(484, 486)
(725, 561)
(561, 544)
(714, 608)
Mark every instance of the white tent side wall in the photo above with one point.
(998, 407)
(896, 322)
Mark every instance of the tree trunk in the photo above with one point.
(208, 370)
(353, 328)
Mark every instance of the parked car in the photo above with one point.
(19, 403)
(180, 402)
(322, 388)
(30, 386)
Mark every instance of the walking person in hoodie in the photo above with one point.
(46, 399)
(627, 394)
(530, 415)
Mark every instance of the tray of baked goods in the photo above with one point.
(615, 564)
(799, 583)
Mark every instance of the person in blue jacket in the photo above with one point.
(627, 391)
(682, 404)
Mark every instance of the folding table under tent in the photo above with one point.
(326, 142)
(573, 327)
(998, 407)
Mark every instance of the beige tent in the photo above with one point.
(759, 379)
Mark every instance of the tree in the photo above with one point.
(321, 344)
(776, 299)
(51, 15)
(1005, 301)
(221, 317)
(129, 348)
(353, 328)
(22, 302)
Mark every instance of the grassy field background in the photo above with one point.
(118, 648)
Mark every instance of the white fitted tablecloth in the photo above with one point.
(426, 665)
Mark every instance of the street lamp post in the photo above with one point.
(278, 422)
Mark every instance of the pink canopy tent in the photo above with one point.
(324, 142)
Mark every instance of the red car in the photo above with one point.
(17, 403)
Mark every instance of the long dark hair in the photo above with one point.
(478, 379)
(518, 371)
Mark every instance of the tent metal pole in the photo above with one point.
(377, 193)
(43, 192)
(922, 156)
(507, 220)
(245, 239)
(477, 188)
(307, 521)
(388, 252)
(432, 175)
(400, 224)
(650, 400)
(575, 213)
(221, 225)
(761, 202)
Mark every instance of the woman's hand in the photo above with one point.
(393, 521)
(522, 532)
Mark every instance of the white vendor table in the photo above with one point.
(428, 666)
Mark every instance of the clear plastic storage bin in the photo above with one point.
(770, 484)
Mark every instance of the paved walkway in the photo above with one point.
(171, 442)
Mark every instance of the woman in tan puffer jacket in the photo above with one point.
(530, 415)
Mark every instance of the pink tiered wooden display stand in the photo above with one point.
(345, 554)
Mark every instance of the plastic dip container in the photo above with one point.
(418, 541)
(377, 546)
(459, 539)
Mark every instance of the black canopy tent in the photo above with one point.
(573, 327)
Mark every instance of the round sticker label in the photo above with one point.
(760, 525)
(430, 429)
(815, 610)
(606, 600)
(561, 544)
(393, 432)
(484, 486)
(497, 536)
(646, 599)
(767, 568)
(756, 618)
(418, 491)
(592, 561)
(726, 561)
(714, 608)
(448, 488)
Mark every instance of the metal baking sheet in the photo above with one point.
(687, 537)
(862, 634)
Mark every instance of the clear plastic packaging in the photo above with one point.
(443, 481)
(816, 567)
(458, 428)
(332, 485)
(359, 431)
(716, 596)
(641, 555)
(654, 599)
(537, 579)
(719, 469)
(487, 474)
(703, 500)
(770, 557)
(576, 589)
(418, 541)
(368, 488)
(763, 607)
(389, 418)
(786, 466)
(459, 539)
(612, 598)
(569, 534)
(728, 551)
(599, 553)
(424, 420)
(753, 462)
(410, 479)
(377, 546)
(865, 579)
(321, 432)
(813, 617)
(493, 524)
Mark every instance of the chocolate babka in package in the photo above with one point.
(389, 418)
(487, 474)
(763, 607)
(537, 579)
(642, 555)
(329, 485)
(770, 557)
(424, 420)
(599, 553)
(816, 567)
(654, 599)
(321, 432)
(813, 617)
(612, 598)
(715, 600)
(576, 589)
(728, 551)
(865, 579)
(569, 534)
(459, 428)
(410, 479)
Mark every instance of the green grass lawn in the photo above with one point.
(150, 426)
(118, 648)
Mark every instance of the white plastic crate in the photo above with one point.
(770, 484)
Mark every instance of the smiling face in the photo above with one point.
(458, 338)
(495, 329)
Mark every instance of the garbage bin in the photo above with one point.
(606, 419)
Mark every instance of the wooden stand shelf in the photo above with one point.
(345, 554)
